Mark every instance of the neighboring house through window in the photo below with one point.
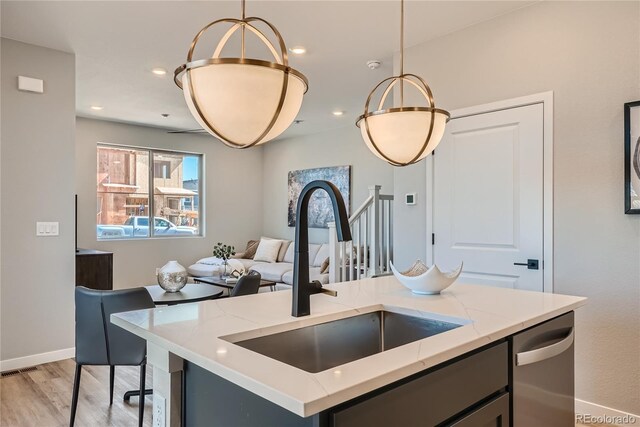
(130, 188)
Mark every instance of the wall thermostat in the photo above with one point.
(410, 198)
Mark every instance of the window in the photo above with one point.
(162, 169)
(133, 183)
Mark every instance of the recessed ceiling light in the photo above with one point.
(338, 113)
(298, 121)
(165, 115)
(159, 71)
(298, 50)
(96, 107)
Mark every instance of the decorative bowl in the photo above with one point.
(172, 277)
(423, 280)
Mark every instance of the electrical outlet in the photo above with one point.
(159, 410)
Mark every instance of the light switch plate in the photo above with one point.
(159, 410)
(47, 229)
(29, 84)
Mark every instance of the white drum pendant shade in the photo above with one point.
(401, 135)
(239, 101)
(242, 101)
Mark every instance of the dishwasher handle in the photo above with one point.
(544, 353)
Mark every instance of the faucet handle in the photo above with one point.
(317, 287)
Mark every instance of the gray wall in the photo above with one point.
(588, 54)
(38, 152)
(233, 199)
(333, 148)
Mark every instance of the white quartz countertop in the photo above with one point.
(194, 331)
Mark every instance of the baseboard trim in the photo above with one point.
(611, 415)
(36, 359)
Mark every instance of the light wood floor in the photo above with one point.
(42, 398)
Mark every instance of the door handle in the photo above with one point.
(531, 264)
(544, 353)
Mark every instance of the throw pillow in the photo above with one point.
(252, 246)
(283, 247)
(324, 268)
(290, 255)
(267, 250)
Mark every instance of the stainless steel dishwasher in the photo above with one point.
(543, 375)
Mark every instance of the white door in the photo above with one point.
(488, 198)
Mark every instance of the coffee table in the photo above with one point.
(192, 292)
(217, 281)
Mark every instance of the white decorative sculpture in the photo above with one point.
(235, 266)
(424, 280)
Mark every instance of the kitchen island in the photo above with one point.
(202, 374)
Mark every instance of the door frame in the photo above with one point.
(546, 99)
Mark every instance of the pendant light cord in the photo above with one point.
(242, 5)
(401, 53)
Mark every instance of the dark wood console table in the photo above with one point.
(94, 269)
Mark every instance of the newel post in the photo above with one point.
(375, 247)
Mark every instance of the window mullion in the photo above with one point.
(152, 208)
(201, 208)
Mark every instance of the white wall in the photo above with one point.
(38, 151)
(332, 148)
(588, 54)
(233, 199)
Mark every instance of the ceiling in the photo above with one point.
(117, 43)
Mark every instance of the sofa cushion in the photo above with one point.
(211, 266)
(202, 270)
(314, 274)
(268, 250)
(247, 263)
(323, 253)
(324, 268)
(212, 260)
(273, 270)
(250, 251)
(290, 255)
(313, 254)
(283, 250)
(283, 247)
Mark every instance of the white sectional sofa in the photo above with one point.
(280, 271)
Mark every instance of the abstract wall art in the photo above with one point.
(320, 210)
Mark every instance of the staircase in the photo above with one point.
(371, 249)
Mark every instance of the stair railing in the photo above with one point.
(371, 250)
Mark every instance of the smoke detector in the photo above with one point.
(374, 64)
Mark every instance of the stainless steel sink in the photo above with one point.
(327, 345)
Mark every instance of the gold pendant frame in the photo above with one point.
(281, 63)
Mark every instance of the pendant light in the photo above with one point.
(402, 135)
(242, 101)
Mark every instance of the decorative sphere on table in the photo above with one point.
(172, 277)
